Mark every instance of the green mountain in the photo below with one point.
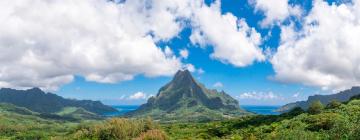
(47, 103)
(342, 96)
(185, 99)
(76, 115)
(9, 108)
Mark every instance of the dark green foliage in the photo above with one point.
(295, 111)
(56, 117)
(341, 122)
(323, 121)
(333, 104)
(355, 97)
(315, 107)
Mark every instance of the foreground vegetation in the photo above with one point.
(120, 129)
(334, 121)
(22, 124)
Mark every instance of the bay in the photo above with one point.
(258, 109)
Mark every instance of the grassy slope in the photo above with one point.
(18, 123)
(21, 123)
(78, 113)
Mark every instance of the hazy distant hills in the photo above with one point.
(47, 103)
(184, 99)
(324, 99)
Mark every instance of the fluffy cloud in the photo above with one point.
(184, 53)
(189, 67)
(296, 95)
(192, 68)
(275, 10)
(259, 96)
(100, 40)
(232, 39)
(200, 71)
(111, 41)
(325, 52)
(218, 85)
(138, 96)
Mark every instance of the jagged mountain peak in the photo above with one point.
(183, 77)
(180, 74)
(35, 90)
(184, 95)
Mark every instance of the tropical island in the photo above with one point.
(179, 70)
(183, 109)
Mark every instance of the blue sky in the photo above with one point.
(235, 81)
(261, 52)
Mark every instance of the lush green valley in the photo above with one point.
(334, 121)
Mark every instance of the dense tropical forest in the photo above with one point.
(333, 121)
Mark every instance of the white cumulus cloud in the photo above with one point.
(46, 43)
(259, 96)
(218, 85)
(275, 11)
(233, 41)
(325, 52)
(138, 96)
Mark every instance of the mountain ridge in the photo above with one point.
(37, 100)
(342, 96)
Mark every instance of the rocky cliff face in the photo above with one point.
(185, 99)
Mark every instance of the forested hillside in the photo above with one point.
(333, 121)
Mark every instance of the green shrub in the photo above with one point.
(295, 111)
(354, 102)
(30, 136)
(333, 104)
(323, 121)
(116, 129)
(153, 135)
(315, 107)
(294, 135)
